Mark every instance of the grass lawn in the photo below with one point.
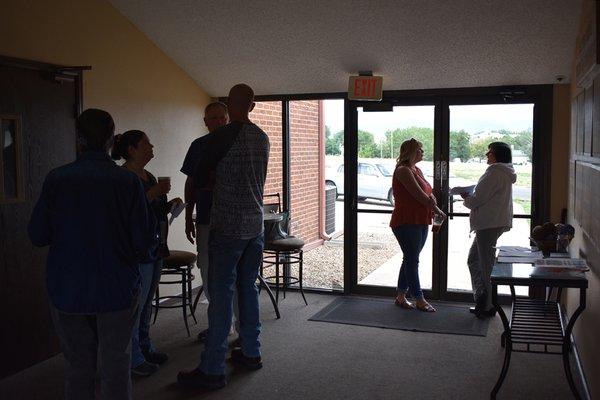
(526, 204)
(472, 172)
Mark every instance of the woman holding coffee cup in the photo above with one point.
(414, 208)
(135, 147)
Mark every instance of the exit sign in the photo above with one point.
(365, 88)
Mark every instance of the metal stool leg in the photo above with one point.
(300, 254)
(285, 268)
(184, 299)
(156, 296)
(270, 293)
(200, 291)
(277, 277)
(188, 300)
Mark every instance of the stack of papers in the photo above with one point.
(469, 190)
(565, 263)
(518, 254)
(176, 209)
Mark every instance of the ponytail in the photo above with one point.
(122, 142)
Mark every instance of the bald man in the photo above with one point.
(238, 156)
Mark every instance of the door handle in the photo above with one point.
(443, 172)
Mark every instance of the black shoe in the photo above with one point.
(144, 369)
(155, 357)
(198, 379)
(251, 363)
(202, 336)
(237, 343)
(480, 304)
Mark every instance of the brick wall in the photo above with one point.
(304, 154)
(267, 115)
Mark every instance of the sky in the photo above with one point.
(512, 117)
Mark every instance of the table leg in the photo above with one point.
(505, 341)
(270, 293)
(566, 348)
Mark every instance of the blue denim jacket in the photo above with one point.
(94, 216)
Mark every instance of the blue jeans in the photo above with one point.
(231, 262)
(140, 341)
(96, 344)
(411, 239)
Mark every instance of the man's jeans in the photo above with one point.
(481, 261)
(232, 261)
(101, 339)
(411, 239)
(140, 341)
(202, 234)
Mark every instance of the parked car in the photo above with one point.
(374, 181)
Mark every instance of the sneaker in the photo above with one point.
(198, 379)
(144, 369)
(155, 357)
(202, 336)
(251, 363)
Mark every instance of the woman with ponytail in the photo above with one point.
(135, 148)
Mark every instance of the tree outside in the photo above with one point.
(462, 145)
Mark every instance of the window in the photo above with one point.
(10, 159)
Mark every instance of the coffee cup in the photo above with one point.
(438, 220)
(161, 179)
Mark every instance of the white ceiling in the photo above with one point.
(309, 46)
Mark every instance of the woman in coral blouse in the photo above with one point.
(413, 212)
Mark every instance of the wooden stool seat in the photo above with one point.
(179, 258)
(178, 267)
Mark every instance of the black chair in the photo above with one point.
(281, 249)
(179, 264)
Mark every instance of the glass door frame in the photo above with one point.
(541, 96)
(351, 208)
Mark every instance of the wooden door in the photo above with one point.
(38, 108)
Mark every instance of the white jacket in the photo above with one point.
(491, 204)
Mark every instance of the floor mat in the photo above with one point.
(382, 313)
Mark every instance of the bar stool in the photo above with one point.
(179, 264)
(285, 253)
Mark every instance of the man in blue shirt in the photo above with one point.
(94, 216)
(215, 116)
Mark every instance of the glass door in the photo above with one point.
(471, 129)
(379, 137)
(455, 132)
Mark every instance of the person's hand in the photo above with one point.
(464, 195)
(432, 202)
(190, 229)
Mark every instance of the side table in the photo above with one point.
(536, 326)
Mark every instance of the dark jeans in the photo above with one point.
(140, 341)
(411, 239)
(232, 262)
(90, 340)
